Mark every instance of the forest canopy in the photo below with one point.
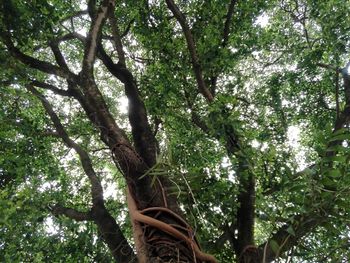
(174, 131)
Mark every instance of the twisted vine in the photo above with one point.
(138, 217)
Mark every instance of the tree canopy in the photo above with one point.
(174, 131)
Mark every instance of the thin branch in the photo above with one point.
(50, 133)
(346, 82)
(203, 89)
(53, 88)
(226, 32)
(344, 116)
(157, 122)
(337, 94)
(33, 62)
(266, 64)
(5, 35)
(91, 8)
(96, 188)
(100, 149)
(301, 18)
(58, 40)
(71, 213)
(58, 55)
(196, 119)
(70, 36)
(127, 29)
(228, 22)
(76, 14)
(117, 38)
(326, 66)
(303, 23)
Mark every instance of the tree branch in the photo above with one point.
(302, 225)
(127, 29)
(5, 35)
(53, 88)
(196, 119)
(192, 49)
(91, 8)
(111, 232)
(71, 213)
(337, 106)
(246, 197)
(94, 35)
(70, 36)
(58, 55)
(117, 38)
(326, 66)
(344, 116)
(33, 62)
(96, 188)
(346, 82)
(76, 14)
(226, 32)
(228, 22)
(145, 142)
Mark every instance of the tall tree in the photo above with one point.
(204, 159)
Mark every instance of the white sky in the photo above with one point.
(262, 20)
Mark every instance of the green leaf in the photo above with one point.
(290, 230)
(274, 246)
(336, 173)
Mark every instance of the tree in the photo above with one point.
(204, 154)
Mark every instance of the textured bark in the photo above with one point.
(134, 167)
(145, 143)
(155, 243)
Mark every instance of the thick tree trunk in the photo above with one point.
(246, 210)
(166, 236)
(245, 248)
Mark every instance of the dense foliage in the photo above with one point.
(251, 124)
